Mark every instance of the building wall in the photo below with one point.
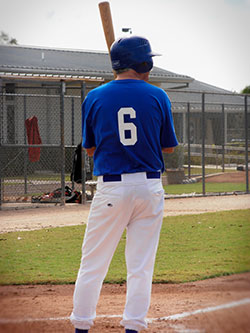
(45, 104)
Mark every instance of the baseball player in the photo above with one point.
(127, 123)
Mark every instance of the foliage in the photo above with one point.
(246, 90)
(6, 39)
(191, 247)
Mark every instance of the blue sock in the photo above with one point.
(78, 330)
(130, 331)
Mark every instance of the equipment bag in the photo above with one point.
(55, 196)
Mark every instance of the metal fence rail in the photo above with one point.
(213, 131)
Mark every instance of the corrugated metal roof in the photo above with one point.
(27, 59)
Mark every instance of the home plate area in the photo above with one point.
(214, 305)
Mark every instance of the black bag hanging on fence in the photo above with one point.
(76, 174)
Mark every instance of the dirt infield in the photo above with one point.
(216, 305)
(228, 177)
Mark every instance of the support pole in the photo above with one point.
(83, 92)
(223, 137)
(246, 145)
(203, 122)
(72, 131)
(1, 149)
(188, 139)
(62, 144)
(72, 122)
(25, 149)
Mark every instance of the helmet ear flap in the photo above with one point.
(143, 67)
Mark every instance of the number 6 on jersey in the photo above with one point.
(124, 127)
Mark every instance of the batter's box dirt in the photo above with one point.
(220, 305)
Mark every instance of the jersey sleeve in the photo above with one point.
(88, 137)
(168, 136)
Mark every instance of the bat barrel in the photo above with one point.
(107, 23)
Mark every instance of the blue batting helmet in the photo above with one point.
(132, 52)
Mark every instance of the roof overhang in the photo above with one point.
(50, 77)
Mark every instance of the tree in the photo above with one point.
(6, 39)
(246, 90)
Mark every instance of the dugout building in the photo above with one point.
(39, 71)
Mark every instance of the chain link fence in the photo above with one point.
(41, 127)
(213, 131)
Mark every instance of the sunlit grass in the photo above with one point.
(191, 247)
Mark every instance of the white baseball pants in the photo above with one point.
(135, 203)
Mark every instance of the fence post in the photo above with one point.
(203, 126)
(62, 93)
(83, 92)
(48, 116)
(72, 131)
(1, 152)
(25, 142)
(188, 139)
(246, 144)
(223, 138)
(72, 122)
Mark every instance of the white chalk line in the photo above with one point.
(209, 309)
(149, 320)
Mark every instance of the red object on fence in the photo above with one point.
(34, 138)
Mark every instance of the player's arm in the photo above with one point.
(90, 151)
(168, 150)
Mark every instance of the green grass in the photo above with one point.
(196, 247)
(210, 187)
(191, 248)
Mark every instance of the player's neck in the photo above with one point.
(132, 75)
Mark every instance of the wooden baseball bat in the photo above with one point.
(107, 23)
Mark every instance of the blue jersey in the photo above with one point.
(128, 121)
